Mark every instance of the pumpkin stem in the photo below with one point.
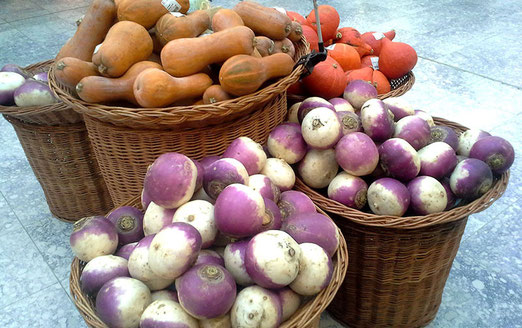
(102, 69)
(299, 30)
(334, 65)
(212, 100)
(79, 87)
(288, 28)
(285, 49)
(338, 35)
(60, 65)
(272, 47)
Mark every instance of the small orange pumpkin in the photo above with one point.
(352, 37)
(379, 81)
(329, 21)
(374, 40)
(311, 36)
(396, 59)
(327, 79)
(345, 55)
(296, 17)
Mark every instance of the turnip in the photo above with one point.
(293, 112)
(274, 215)
(315, 270)
(357, 92)
(286, 142)
(438, 159)
(93, 236)
(9, 82)
(33, 93)
(166, 314)
(468, 138)
(174, 249)
(128, 221)
(449, 194)
(318, 168)
(350, 122)
(222, 240)
(219, 322)
(290, 302)
(42, 77)
(202, 195)
(256, 307)
(388, 196)
(262, 184)
(425, 116)
(460, 158)
(444, 134)
(100, 270)
(399, 107)
(377, 120)
(240, 211)
(295, 202)
(427, 195)
(311, 103)
(222, 173)
(341, 105)
(206, 161)
(321, 128)
(399, 159)
(497, 152)
(248, 152)
(139, 266)
(234, 257)
(145, 199)
(155, 218)
(471, 179)
(206, 291)
(207, 256)
(121, 302)
(201, 173)
(200, 215)
(16, 69)
(357, 154)
(348, 190)
(280, 172)
(413, 129)
(313, 228)
(165, 294)
(221, 249)
(171, 180)
(126, 250)
(272, 259)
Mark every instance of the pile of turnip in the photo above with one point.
(384, 156)
(222, 242)
(22, 88)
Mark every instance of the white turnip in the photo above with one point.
(425, 116)
(348, 190)
(427, 195)
(286, 141)
(294, 202)
(377, 120)
(290, 301)
(311, 103)
(471, 178)
(497, 152)
(399, 159)
(156, 218)
(318, 167)
(315, 272)
(414, 130)
(357, 92)
(208, 256)
(292, 113)
(262, 184)
(437, 159)
(100, 270)
(444, 134)
(387, 196)
(399, 107)
(248, 152)
(321, 128)
(280, 172)
(468, 138)
(234, 257)
(93, 236)
(128, 221)
(126, 250)
(222, 173)
(166, 314)
(200, 215)
(256, 307)
(350, 122)
(341, 105)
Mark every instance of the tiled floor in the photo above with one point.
(469, 71)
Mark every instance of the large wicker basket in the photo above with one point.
(306, 317)
(57, 146)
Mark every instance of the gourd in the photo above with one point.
(327, 79)
(296, 17)
(225, 18)
(170, 27)
(91, 32)
(99, 89)
(374, 40)
(188, 56)
(146, 12)
(156, 88)
(215, 93)
(264, 45)
(241, 75)
(311, 36)
(126, 43)
(396, 58)
(264, 20)
(366, 61)
(70, 70)
(345, 55)
(352, 37)
(329, 21)
(285, 46)
(296, 32)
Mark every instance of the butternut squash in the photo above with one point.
(225, 18)
(126, 44)
(241, 75)
(187, 56)
(154, 58)
(70, 70)
(146, 12)
(156, 44)
(296, 32)
(285, 46)
(264, 20)
(215, 93)
(156, 88)
(265, 46)
(170, 27)
(91, 32)
(99, 89)
(256, 53)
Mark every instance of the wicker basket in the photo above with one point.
(306, 317)
(398, 265)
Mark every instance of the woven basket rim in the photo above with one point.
(304, 315)
(409, 222)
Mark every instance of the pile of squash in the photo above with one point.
(153, 53)
(371, 56)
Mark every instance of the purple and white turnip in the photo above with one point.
(468, 138)
(377, 120)
(321, 128)
(128, 221)
(399, 159)
(358, 92)
(471, 178)
(275, 219)
(13, 68)
(222, 173)
(248, 152)
(357, 154)
(318, 168)
(219, 322)
(156, 218)
(444, 134)
(293, 112)
(280, 172)
(295, 202)
(9, 82)
(286, 141)
(33, 93)
(93, 236)
(316, 269)
(290, 301)
(311, 103)
(262, 184)
(208, 256)
(425, 116)
(497, 152)
(100, 270)
(427, 195)
(256, 306)
(206, 161)
(341, 105)
(234, 257)
(414, 130)
(126, 250)
(350, 122)
(399, 107)
(437, 159)
(165, 294)
(166, 314)
(387, 196)
(200, 215)
(348, 190)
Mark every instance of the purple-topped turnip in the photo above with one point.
(452, 199)
(318, 168)
(248, 152)
(126, 250)
(471, 179)
(350, 122)
(357, 92)
(427, 195)
(295, 202)
(168, 170)
(34, 93)
(316, 269)
(166, 314)
(206, 161)
(222, 173)
(165, 294)
(357, 154)
(438, 159)
(399, 107)
(286, 141)
(321, 128)
(128, 221)
(348, 190)
(13, 68)
(174, 249)
(468, 138)
(399, 159)
(274, 215)
(100, 270)
(413, 129)
(280, 172)
(341, 105)
(145, 199)
(272, 259)
(93, 236)
(208, 256)
(201, 194)
(293, 112)
(377, 120)
(311, 103)
(9, 82)
(425, 116)
(387, 196)
(234, 257)
(200, 215)
(256, 306)
(201, 173)
(156, 218)
(121, 302)
(42, 77)
(206, 291)
(444, 134)
(497, 152)
(219, 322)
(290, 301)
(262, 184)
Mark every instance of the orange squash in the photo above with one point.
(91, 32)
(264, 45)
(225, 18)
(352, 37)
(285, 46)
(296, 32)
(146, 12)
(264, 20)
(99, 89)
(375, 77)
(241, 75)
(256, 53)
(156, 88)
(329, 21)
(366, 61)
(156, 44)
(396, 58)
(70, 70)
(296, 17)
(364, 74)
(170, 27)
(311, 36)
(374, 40)
(327, 79)
(345, 55)
(215, 93)
(154, 58)
(188, 56)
